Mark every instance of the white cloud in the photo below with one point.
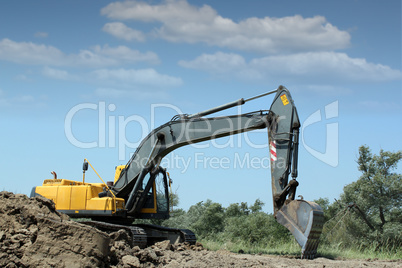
(41, 34)
(39, 54)
(310, 66)
(182, 22)
(327, 65)
(124, 54)
(216, 63)
(17, 100)
(374, 105)
(168, 11)
(113, 93)
(131, 77)
(26, 98)
(127, 78)
(57, 74)
(335, 90)
(22, 77)
(30, 53)
(121, 31)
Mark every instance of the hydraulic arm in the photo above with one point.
(134, 193)
(304, 219)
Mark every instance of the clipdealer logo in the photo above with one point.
(331, 154)
(112, 133)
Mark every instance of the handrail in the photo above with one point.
(86, 160)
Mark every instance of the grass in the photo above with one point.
(357, 252)
(293, 249)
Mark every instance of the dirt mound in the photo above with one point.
(34, 234)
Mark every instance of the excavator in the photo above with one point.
(140, 189)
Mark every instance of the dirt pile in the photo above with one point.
(34, 234)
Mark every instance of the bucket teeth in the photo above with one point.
(305, 221)
(309, 251)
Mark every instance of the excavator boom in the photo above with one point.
(303, 219)
(134, 194)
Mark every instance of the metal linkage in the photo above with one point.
(229, 105)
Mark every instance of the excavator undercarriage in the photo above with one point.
(141, 187)
(144, 235)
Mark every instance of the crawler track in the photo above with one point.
(138, 234)
(158, 233)
(144, 235)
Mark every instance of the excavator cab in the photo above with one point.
(156, 198)
(154, 191)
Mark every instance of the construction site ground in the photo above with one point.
(34, 234)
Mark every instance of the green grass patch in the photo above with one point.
(288, 249)
(357, 252)
(293, 249)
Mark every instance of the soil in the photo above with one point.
(34, 234)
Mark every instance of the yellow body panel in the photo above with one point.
(78, 196)
(118, 172)
(104, 203)
(63, 197)
(149, 210)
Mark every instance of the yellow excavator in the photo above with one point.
(140, 189)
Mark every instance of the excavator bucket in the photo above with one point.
(304, 219)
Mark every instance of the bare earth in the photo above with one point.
(33, 234)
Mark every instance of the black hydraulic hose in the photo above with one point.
(219, 108)
(130, 201)
(295, 153)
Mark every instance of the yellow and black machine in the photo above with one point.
(140, 189)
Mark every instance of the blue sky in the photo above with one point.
(145, 61)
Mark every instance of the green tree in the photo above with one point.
(248, 224)
(330, 210)
(374, 201)
(234, 210)
(237, 210)
(257, 207)
(207, 218)
(378, 191)
(178, 219)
